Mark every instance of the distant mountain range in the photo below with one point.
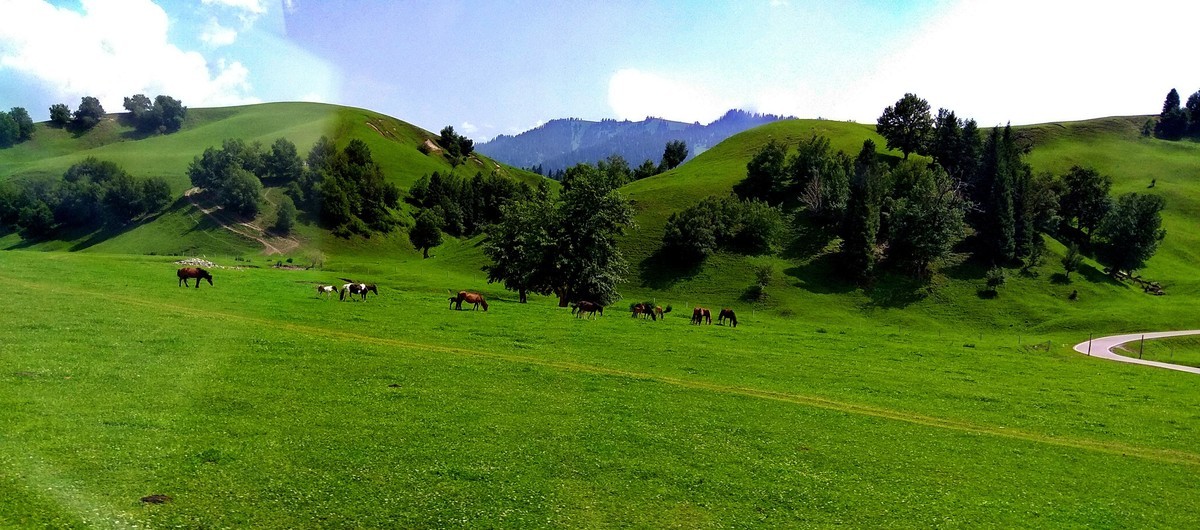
(562, 143)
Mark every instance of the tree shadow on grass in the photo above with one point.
(110, 230)
(1094, 275)
(893, 291)
(821, 275)
(661, 270)
(807, 240)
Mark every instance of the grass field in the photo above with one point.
(253, 403)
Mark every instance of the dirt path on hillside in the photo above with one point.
(1102, 347)
(271, 245)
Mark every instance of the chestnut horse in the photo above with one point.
(591, 308)
(701, 315)
(469, 297)
(187, 273)
(727, 314)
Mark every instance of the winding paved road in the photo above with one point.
(1102, 347)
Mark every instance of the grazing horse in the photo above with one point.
(328, 289)
(358, 288)
(193, 272)
(701, 315)
(591, 308)
(469, 297)
(659, 311)
(727, 314)
(644, 310)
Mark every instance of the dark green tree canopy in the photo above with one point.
(24, 123)
(1085, 200)
(89, 113)
(427, 232)
(1130, 233)
(60, 114)
(906, 125)
(1173, 120)
(674, 154)
(763, 172)
(10, 132)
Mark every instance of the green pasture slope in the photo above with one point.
(253, 403)
(182, 229)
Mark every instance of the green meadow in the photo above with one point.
(256, 403)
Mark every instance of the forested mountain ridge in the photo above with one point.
(562, 143)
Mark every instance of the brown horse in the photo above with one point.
(469, 297)
(591, 308)
(187, 273)
(659, 312)
(646, 309)
(727, 314)
(701, 315)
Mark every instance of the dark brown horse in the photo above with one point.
(701, 315)
(187, 273)
(591, 308)
(727, 314)
(469, 297)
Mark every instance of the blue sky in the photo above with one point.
(502, 67)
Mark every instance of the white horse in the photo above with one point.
(327, 290)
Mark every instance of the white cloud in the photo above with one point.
(1032, 61)
(634, 95)
(216, 35)
(779, 3)
(289, 6)
(468, 127)
(249, 6)
(110, 50)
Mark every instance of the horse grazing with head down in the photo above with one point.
(727, 314)
(469, 297)
(328, 290)
(358, 288)
(701, 315)
(584, 306)
(187, 273)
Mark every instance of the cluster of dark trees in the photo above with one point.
(913, 213)
(456, 147)
(565, 245)
(464, 207)
(15, 126)
(90, 194)
(1176, 121)
(344, 189)
(89, 113)
(723, 223)
(163, 115)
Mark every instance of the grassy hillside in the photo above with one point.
(184, 230)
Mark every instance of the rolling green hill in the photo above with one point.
(182, 229)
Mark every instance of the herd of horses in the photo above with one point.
(700, 315)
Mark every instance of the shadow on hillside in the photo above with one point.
(896, 292)
(820, 275)
(661, 271)
(1094, 275)
(807, 241)
(109, 231)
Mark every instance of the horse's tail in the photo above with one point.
(341, 293)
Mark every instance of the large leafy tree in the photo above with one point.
(926, 217)
(576, 257)
(906, 125)
(25, 125)
(674, 154)
(1130, 233)
(427, 232)
(521, 245)
(60, 114)
(89, 113)
(10, 132)
(282, 163)
(1085, 200)
(764, 173)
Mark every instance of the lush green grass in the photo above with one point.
(253, 403)
(1175, 350)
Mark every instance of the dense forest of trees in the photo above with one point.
(974, 189)
(163, 114)
(91, 194)
(1176, 120)
(464, 207)
(15, 127)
